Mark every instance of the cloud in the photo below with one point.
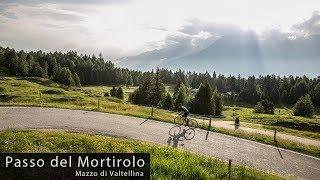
(44, 13)
(176, 45)
(51, 27)
(192, 37)
(158, 28)
(310, 26)
(195, 26)
(34, 2)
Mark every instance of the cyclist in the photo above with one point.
(184, 113)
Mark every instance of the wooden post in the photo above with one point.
(210, 123)
(275, 135)
(229, 169)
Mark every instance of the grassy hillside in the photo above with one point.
(43, 92)
(166, 162)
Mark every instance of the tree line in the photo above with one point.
(73, 69)
(152, 92)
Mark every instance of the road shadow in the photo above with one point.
(207, 135)
(174, 140)
(150, 117)
(180, 135)
(276, 143)
(144, 121)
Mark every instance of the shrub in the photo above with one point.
(259, 108)
(268, 106)
(2, 90)
(304, 107)
(6, 97)
(113, 92)
(265, 106)
(120, 93)
(106, 94)
(52, 91)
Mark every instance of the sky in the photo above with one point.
(119, 28)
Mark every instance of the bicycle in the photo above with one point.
(189, 133)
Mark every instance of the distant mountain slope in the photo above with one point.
(243, 54)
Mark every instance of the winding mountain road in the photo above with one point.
(225, 147)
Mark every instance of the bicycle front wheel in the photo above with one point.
(189, 134)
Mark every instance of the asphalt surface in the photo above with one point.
(225, 147)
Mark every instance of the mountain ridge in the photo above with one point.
(245, 54)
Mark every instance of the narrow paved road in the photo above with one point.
(225, 147)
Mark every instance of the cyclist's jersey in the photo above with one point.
(185, 111)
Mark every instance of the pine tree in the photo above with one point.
(53, 70)
(45, 69)
(299, 89)
(167, 102)
(67, 78)
(37, 70)
(259, 108)
(181, 98)
(203, 102)
(15, 65)
(157, 92)
(120, 93)
(113, 91)
(268, 106)
(142, 94)
(316, 98)
(176, 89)
(304, 107)
(76, 80)
(23, 68)
(217, 99)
